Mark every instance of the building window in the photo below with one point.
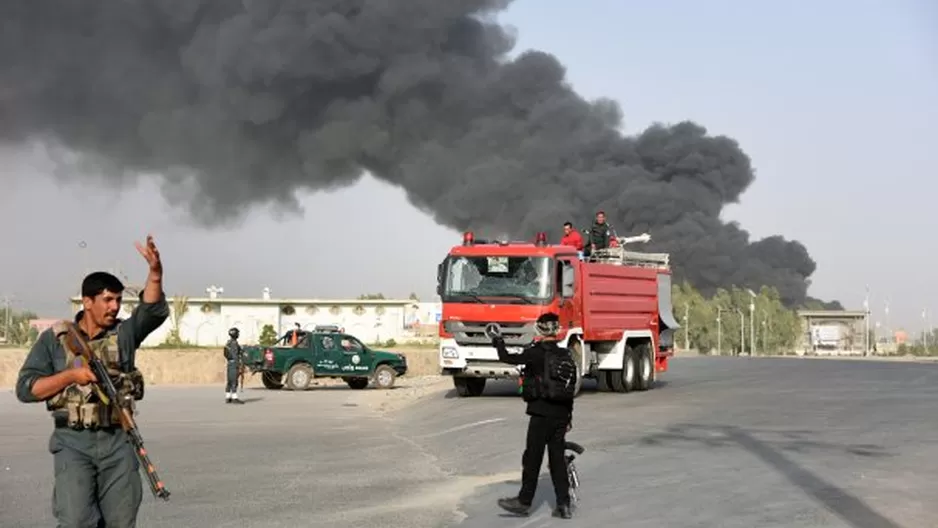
(288, 310)
(312, 310)
(335, 310)
(379, 310)
(359, 310)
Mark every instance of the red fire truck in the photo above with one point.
(614, 306)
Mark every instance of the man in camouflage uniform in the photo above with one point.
(97, 479)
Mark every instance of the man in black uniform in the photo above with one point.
(550, 421)
(600, 233)
(233, 357)
(97, 479)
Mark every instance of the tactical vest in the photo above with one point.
(84, 407)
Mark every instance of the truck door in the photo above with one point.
(355, 357)
(570, 311)
(327, 353)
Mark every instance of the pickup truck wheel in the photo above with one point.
(624, 380)
(272, 380)
(384, 377)
(357, 383)
(469, 387)
(645, 367)
(299, 376)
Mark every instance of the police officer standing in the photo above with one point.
(233, 357)
(97, 482)
(550, 420)
(600, 234)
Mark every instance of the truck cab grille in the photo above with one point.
(473, 332)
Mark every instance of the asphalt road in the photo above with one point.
(723, 442)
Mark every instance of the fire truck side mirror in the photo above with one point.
(439, 278)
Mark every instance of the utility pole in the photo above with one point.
(7, 318)
(866, 323)
(686, 327)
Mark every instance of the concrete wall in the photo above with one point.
(206, 321)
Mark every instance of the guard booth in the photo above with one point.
(832, 333)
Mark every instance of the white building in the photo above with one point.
(205, 320)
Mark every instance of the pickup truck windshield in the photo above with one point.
(516, 278)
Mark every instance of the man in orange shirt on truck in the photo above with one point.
(571, 237)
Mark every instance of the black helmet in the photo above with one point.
(547, 325)
(234, 333)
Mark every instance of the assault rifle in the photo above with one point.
(107, 393)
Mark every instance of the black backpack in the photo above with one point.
(560, 375)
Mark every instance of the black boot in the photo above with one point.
(514, 505)
(563, 511)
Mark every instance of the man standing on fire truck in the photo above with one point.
(600, 233)
(571, 237)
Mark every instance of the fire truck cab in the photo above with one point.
(614, 307)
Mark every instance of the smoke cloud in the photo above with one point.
(238, 104)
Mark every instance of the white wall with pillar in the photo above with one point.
(204, 321)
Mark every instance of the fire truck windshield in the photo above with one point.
(516, 279)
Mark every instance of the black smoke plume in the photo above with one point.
(244, 103)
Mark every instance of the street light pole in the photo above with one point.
(925, 329)
(719, 331)
(686, 327)
(742, 331)
(752, 323)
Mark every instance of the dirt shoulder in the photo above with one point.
(203, 366)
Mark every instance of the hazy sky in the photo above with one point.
(835, 101)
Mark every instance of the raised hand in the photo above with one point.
(151, 254)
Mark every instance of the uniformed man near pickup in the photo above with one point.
(233, 359)
(97, 479)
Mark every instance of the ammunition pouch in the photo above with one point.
(131, 383)
(83, 410)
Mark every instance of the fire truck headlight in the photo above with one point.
(450, 353)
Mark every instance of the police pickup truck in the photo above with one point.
(326, 352)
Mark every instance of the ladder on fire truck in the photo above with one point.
(619, 256)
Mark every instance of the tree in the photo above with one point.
(180, 307)
(15, 328)
(716, 322)
(268, 336)
(371, 297)
(413, 297)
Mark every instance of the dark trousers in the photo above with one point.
(232, 378)
(97, 479)
(549, 432)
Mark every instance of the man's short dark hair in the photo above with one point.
(97, 282)
(567, 224)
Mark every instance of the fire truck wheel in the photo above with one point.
(469, 387)
(646, 368)
(624, 380)
(604, 380)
